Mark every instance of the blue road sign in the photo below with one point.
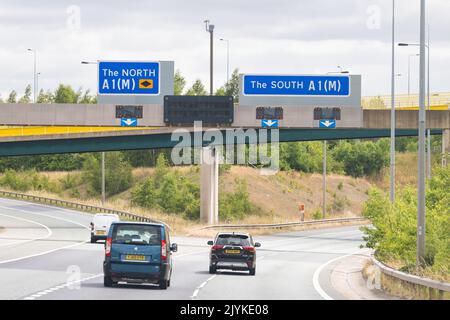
(296, 85)
(327, 124)
(128, 122)
(128, 78)
(269, 123)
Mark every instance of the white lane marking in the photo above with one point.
(59, 287)
(43, 253)
(49, 251)
(49, 232)
(316, 275)
(46, 215)
(197, 290)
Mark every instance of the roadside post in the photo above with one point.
(301, 209)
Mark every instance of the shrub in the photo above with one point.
(236, 204)
(394, 230)
(169, 192)
(118, 174)
(364, 158)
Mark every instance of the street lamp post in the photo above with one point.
(102, 155)
(324, 161)
(210, 29)
(427, 46)
(228, 58)
(37, 84)
(392, 146)
(34, 74)
(421, 159)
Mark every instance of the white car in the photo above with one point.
(100, 225)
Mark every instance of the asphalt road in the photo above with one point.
(44, 254)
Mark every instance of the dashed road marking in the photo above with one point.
(59, 287)
(197, 290)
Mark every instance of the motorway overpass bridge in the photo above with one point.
(31, 129)
(67, 128)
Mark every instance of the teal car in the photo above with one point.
(138, 253)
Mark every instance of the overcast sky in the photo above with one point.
(286, 37)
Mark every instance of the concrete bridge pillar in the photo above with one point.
(445, 146)
(209, 185)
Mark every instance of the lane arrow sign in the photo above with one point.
(269, 123)
(329, 124)
(128, 122)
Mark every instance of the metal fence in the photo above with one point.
(283, 225)
(76, 206)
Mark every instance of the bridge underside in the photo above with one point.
(137, 140)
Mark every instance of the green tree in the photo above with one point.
(65, 94)
(197, 89)
(27, 95)
(232, 86)
(220, 92)
(45, 97)
(12, 98)
(118, 174)
(86, 97)
(179, 83)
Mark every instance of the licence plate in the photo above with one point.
(101, 232)
(134, 257)
(233, 251)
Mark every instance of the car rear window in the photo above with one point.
(136, 234)
(232, 239)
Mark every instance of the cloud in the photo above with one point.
(265, 36)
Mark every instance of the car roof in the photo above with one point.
(233, 233)
(140, 223)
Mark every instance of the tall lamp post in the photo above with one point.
(392, 145)
(103, 153)
(34, 74)
(210, 29)
(427, 46)
(228, 58)
(37, 84)
(420, 258)
(324, 161)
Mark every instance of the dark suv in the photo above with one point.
(233, 251)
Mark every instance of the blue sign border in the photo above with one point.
(268, 77)
(128, 94)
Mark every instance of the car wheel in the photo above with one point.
(163, 284)
(168, 283)
(252, 271)
(212, 269)
(107, 281)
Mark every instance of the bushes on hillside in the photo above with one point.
(168, 191)
(236, 204)
(27, 180)
(56, 162)
(394, 229)
(363, 158)
(118, 174)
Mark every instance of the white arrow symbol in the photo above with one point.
(129, 122)
(269, 122)
(327, 123)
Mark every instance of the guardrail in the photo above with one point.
(282, 225)
(74, 205)
(425, 282)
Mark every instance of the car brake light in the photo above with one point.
(108, 247)
(217, 247)
(248, 248)
(163, 250)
